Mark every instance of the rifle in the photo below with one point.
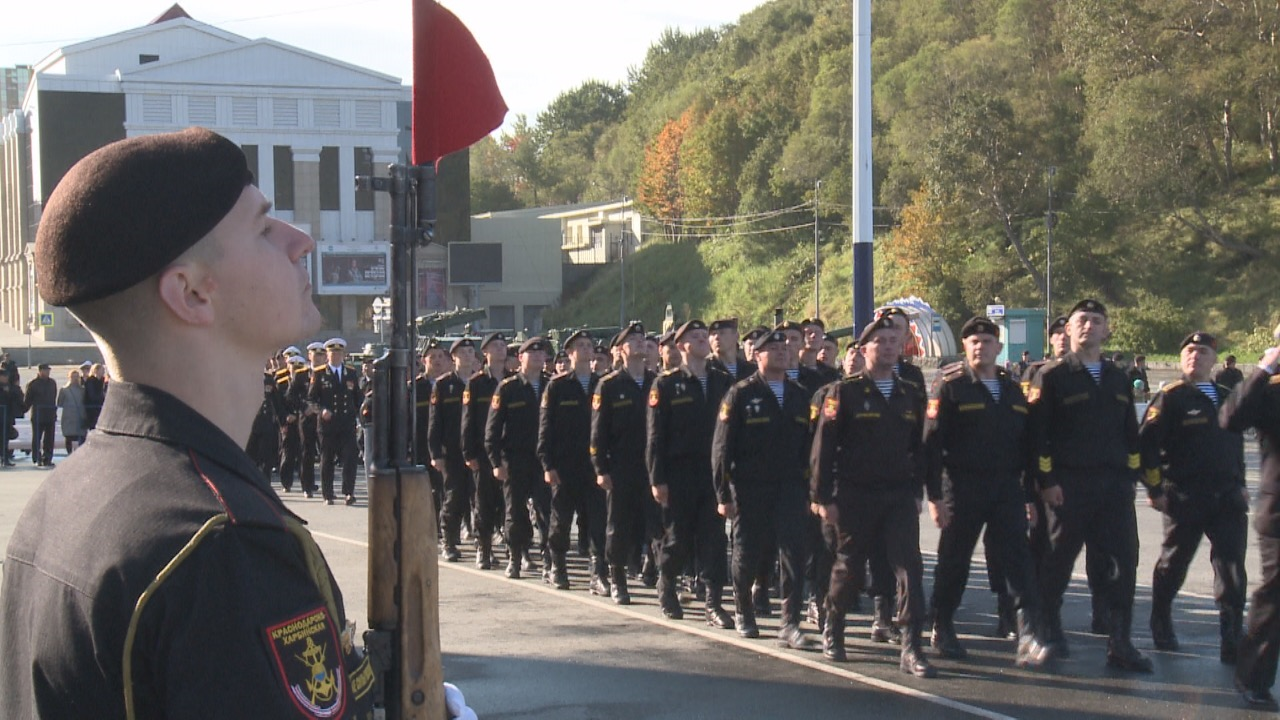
(403, 639)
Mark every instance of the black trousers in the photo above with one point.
(310, 451)
(625, 515)
(1221, 517)
(457, 495)
(998, 504)
(290, 454)
(1097, 509)
(691, 526)
(771, 524)
(578, 494)
(337, 444)
(43, 428)
(489, 504)
(1260, 649)
(892, 521)
(525, 488)
(264, 448)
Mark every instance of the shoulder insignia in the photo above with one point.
(951, 371)
(725, 412)
(308, 656)
(496, 402)
(1153, 412)
(1172, 385)
(934, 404)
(831, 406)
(1033, 395)
(653, 397)
(466, 396)
(597, 400)
(909, 382)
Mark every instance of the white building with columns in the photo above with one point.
(307, 123)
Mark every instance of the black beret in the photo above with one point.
(723, 324)
(687, 327)
(562, 355)
(432, 344)
(755, 334)
(1200, 338)
(790, 325)
(979, 326)
(491, 337)
(634, 328)
(813, 321)
(535, 343)
(1058, 325)
(665, 338)
(602, 349)
(1088, 305)
(889, 311)
(829, 338)
(883, 322)
(43, 366)
(461, 343)
(773, 336)
(575, 336)
(127, 210)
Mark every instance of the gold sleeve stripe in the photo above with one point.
(1135, 461)
(212, 524)
(1046, 464)
(1151, 478)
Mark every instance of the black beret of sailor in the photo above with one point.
(461, 343)
(491, 337)
(768, 338)
(1200, 338)
(813, 321)
(574, 337)
(1088, 305)
(884, 322)
(535, 343)
(979, 326)
(1058, 325)
(129, 209)
(723, 324)
(687, 328)
(634, 328)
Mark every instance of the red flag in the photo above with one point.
(456, 100)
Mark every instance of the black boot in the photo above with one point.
(744, 617)
(1052, 632)
(716, 615)
(1162, 635)
(600, 578)
(513, 562)
(760, 599)
(1230, 627)
(484, 553)
(619, 592)
(833, 636)
(1101, 623)
(789, 634)
(667, 599)
(913, 661)
(649, 572)
(1120, 650)
(1007, 626)
(559, 573)
(1032, 651)
(944, 637)
(883, 630)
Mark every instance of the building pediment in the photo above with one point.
(261, 62)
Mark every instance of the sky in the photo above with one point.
(538, 49)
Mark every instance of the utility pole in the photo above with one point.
(863, 242)
(817, 268)
(1049, 221)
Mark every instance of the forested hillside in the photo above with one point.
(1153, 123)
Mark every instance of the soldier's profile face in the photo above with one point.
(853, 362)
(695, 343)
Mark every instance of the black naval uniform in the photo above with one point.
(564, 446)
(681, 423)
(308, 422)
(290, 430)
(264, 437)
(342, 397)
(867, 460)
(978, 450)
(488, 503)
(741, 370)
(423, 386)
(617, 450)
(759, 463)
(444, 441)
(1256, 404)
(511, 437)
(184, 589)
(1085, 438)
(1198, 467)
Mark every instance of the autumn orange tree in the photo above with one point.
(658, 188)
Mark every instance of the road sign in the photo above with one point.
(995, 311)
(937, 324)
(46, 320)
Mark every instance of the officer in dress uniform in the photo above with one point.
(476, 398)
(1194, 473)
(978, 450)
(682, 412)
(511, 441)
(294, 391)
(867, 478)
(1256, 404)
(617, 454)
(317, 361)
(759, 461)
(289, 443)
(444, 442)
(1085, 437)
(725, 355)
(336, 394)
(564, 449)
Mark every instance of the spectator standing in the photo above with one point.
(71, 403)
(41, 400)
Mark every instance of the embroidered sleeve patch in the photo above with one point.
(309, 659)
(466, 397)
(496, 402)
(653, 397)
(596, 401)
(831, 408)
(1153, 412)
(725, 412)
(1033, 395)
(934, 404)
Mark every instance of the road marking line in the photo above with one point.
(717, 636)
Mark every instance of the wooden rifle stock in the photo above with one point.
(404, 601)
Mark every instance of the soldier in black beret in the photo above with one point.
(668, 354)
(978, 449)
(867, 479)
(1085, 436)
(814, 331)
(172, 564)
(444, 444)
(1194, 473)
(725, 351)
(476, 398)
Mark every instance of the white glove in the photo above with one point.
(456, 704)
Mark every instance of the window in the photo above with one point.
(202, 110)
(144, 58)
(330, 194)
(328, 113)
(285, 112)
(282, 155)
(364, 166)
(244, 111)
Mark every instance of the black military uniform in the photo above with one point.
(981, 441)
(1229, 376)
(617, 450)
(1198, 467)
(759, 463)
(41, 401)
(1256, 404)
(564, 442)
(444, 441)
(309, 422)
(867, 460)
(264, 437)
(488, 502)
(1085, 435)
(337, 390)
(511, 437)
(100, 621)
(681, 423)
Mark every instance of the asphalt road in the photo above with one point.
(520, 649)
